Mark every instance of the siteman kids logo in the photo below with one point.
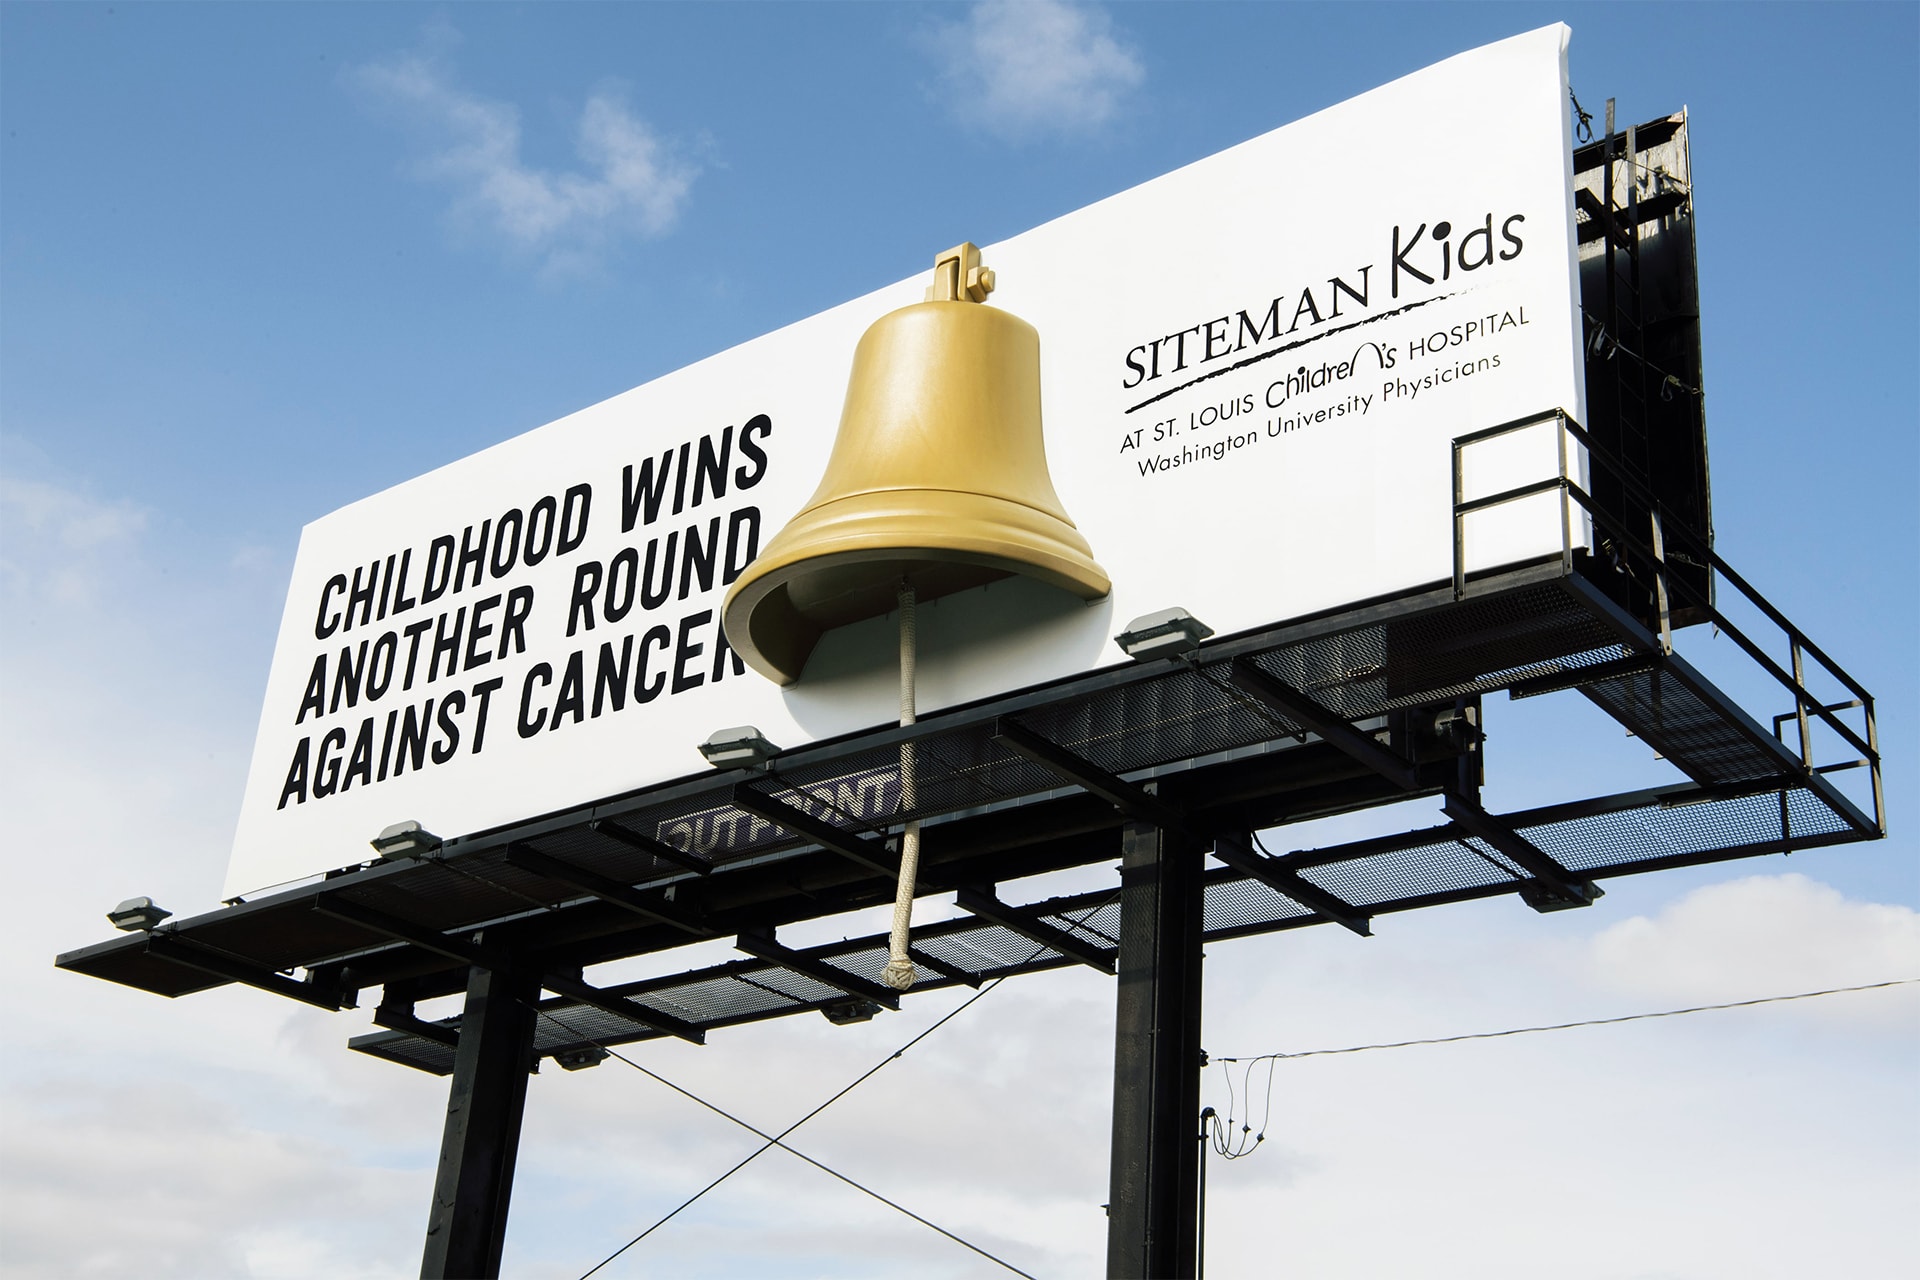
(1416, 260)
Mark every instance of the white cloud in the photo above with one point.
(188, 1187)
(1764, 935)
(631, 183)
(52, 539)
(68, 518)
(1024, 68)
(1773, 1141)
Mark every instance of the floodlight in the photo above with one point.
(847, 1012)
(405, 840)
(580, 1059)
(742, 746)
(1165, 634)
(136, 915)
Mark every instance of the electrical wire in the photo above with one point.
(1234, 1145)
(1220, 1133)
(778, 1139)
(1568, 1026)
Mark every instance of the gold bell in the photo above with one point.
(938, 476)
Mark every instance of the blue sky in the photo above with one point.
(259, 261)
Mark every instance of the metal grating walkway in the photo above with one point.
(746, 852)
(1619, 836)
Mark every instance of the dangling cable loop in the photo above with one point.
(1583, 130)
(899, 971)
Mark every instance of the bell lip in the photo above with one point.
(980, 530)
(752, 595)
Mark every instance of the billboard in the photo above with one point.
(1251, 372)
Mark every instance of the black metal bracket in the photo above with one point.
(649, 906)
(195, 955)
(395, 1018)
(1553, 888)
(647, 844)
(1143, 806)
(764, 947)
(982, 903)
(849, 844)
(1333, 729)
(473, 954)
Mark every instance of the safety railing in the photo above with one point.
(1668, 540)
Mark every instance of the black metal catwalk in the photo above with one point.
(1158, 765)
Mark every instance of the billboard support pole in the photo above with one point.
(467, 1225)
(1152, 1214)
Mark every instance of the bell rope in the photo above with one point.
(899, 971)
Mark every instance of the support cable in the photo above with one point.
(775, 1140)
(778, 1139)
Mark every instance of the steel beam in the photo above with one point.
(420, 935)
(1334, 729)
(941, 967)
(1237, 852)
(467, 1225)
(195, 955)
(394, 1018)
(984, 904)
(1133, 801)
(580, 992)
(848, 844)
(647, 844)
(650, 906)
(459, 948)
(1554, 887)
(1578, 677)
(1152, 1210)
(1142, 805)
(763, 946)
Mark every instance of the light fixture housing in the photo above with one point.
(580, 1059)
(405, 840)
(847, 1012)
(741, 747)
(1165, 634)
(137, 915)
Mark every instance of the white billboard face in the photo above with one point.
(1252, 369)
